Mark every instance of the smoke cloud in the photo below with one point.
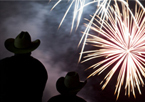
(58, 50)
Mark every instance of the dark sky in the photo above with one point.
(58, 50)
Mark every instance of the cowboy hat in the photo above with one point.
(70, 84)
(21, 44)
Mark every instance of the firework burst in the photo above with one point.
(121, 41)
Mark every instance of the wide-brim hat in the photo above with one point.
(70, 83)
(21, 44)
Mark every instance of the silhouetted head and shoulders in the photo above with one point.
(68, 87)
(21, 46)
(23, 77)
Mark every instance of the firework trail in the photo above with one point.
(102, 7)
(78, 10)
(121, 43)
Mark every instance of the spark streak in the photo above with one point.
(78, 10)
(122, 44)
(102, 7)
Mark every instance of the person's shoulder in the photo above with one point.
(56, 98)
(35, 59)
(80, 99)
(64, 98)
(5, 59)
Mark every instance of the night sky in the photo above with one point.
(58, 50)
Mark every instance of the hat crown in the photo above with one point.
(71, 80)
(23, 40)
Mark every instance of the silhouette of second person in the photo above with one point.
(22, 77)
(68, 87)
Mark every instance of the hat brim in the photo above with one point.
(64, 90)
(9, 44)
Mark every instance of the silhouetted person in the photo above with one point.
(22, 77)
(68, 87)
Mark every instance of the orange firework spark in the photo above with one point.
(122, 42)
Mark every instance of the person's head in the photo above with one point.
(22, 44)
(70, 84)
